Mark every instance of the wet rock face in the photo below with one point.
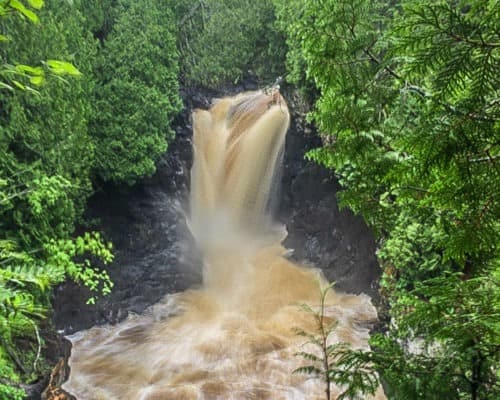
(154, 254)
(320, 234)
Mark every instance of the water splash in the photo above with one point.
(233, 338)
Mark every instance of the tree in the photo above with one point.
(136, 95)
(22, 76)
(221, 42)
(46, 158)
(335, 363)
(409, 114)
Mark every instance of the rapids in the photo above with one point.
(232, 338)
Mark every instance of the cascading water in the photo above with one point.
(234, 337)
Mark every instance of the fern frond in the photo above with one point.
(309, 356)
(309, 369)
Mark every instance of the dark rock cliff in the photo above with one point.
(320, 234)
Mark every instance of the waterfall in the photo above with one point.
(237, 147)
(232, 338)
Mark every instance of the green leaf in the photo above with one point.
(36, 4)
(62, 68)
(37, 80)
(310, 370)
(19, 84)
(17, 5)
(27, 69)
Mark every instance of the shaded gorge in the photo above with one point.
(232, 337)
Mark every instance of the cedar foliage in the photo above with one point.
(50, 150)
(409, 112)
(222, 42)
(45, 163)
(136, 96)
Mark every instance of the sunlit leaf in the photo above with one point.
(31, 90)
(17, 5)
(36, 71)
(37, 80)
(37, 4)
(62, 68)
(19, 84)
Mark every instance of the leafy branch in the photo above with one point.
(21, 76)
(336, 363)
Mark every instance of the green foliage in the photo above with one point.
(137, 92)
(222, 41)
(33, 261)
(27, 77)
(446, 344)
(45, 164)
(335, 363)
(409, 115)
(353, 370)
(8, 392)
(320, 361)
(19, 7)
(46, 134)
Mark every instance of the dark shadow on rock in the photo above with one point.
(154, 253)
(336, 241)
(56, 348)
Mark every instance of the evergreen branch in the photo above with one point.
(472, 42)
(389, 70)
(407, 86)
(483, 211)
(422, 92)
(437, 25)
(375, 59)
(308, 356)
